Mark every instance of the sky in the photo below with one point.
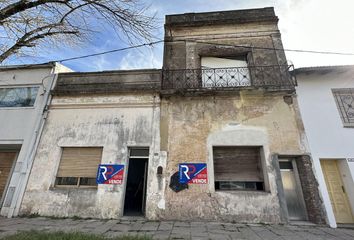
(318, 25)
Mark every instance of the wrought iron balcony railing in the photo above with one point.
(274, 77)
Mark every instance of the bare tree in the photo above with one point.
(27, 24)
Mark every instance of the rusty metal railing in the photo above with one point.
(275, 77)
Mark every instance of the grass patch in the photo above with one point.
(38, 235)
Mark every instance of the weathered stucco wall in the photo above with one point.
(189, 44)
(190, 126)
(114, 122)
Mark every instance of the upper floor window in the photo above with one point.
(18, 97)
(345, 103)
(225, 72)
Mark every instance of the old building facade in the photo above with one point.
(97, 118)
(224, 100)
(24, 94)
(326, 96)
(227, 100)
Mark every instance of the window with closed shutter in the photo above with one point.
(238, 168)
(78, 166)
(6, 162)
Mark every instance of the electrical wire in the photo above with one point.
(110, 51)
(274, 49)
(211, 43)
(201, 42)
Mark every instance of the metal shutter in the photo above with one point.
(6, 161)
(241, 164)
(80, 162)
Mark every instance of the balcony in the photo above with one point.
(275, 78)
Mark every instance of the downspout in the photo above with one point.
(27, 166)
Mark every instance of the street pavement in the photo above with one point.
(176, 229)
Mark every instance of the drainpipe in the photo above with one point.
(27, 165)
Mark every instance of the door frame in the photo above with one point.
(127, 172)
(17, 151)
(143, 207)
(299, 190)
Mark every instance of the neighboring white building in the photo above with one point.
(24, 93)
(326, 98)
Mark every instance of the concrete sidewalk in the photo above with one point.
(175, 229)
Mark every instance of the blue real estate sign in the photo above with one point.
(110, 174)
(195, 173)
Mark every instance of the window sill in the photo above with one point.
(16, 108)
(67, 187)
(242, 192)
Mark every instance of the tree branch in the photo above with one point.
(25, 24)
(23, 5)
(30, 42)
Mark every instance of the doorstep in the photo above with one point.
(345, 225)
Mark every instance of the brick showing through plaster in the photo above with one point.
(310, 190)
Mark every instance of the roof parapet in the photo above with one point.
(108, 82)
(222, 17)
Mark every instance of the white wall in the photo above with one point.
(326, 135)
(22, 125)
(20, 120)
(215, 62)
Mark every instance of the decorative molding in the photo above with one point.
(102, 105)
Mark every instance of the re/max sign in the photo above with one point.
(110, 174)
(193, 173)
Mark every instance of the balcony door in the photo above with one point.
(225, 72)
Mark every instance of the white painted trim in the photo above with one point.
(11, 142)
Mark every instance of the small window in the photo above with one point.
(238, 168)
(18, 97)
(231, 185)
(139, 152)
(225, 72)
(78, 166)
(345, 103)
(285, 165)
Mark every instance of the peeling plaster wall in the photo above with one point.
(114, 122)
(222, 40)
(190, 126)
